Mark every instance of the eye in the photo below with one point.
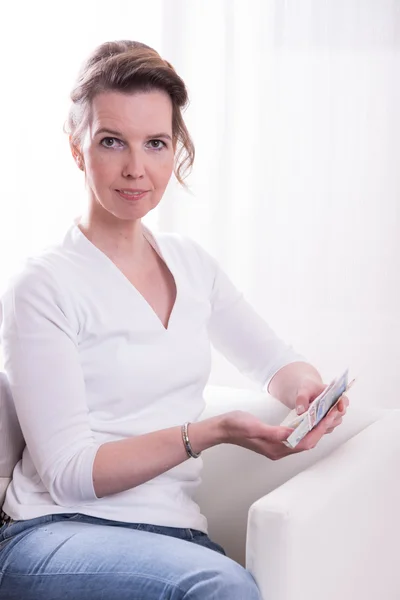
(108, 142)
(157, 144)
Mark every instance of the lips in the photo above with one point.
(131, 194)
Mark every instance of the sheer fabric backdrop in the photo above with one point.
(294, 112)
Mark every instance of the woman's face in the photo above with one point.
(128, 152)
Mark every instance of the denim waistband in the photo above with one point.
(178, 532)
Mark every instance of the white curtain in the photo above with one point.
(295, 115)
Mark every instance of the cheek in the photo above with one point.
(162, 170)
(100, 167)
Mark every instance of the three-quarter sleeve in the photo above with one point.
(239, 332)
(40, 346)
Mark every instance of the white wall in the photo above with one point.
(42, 45)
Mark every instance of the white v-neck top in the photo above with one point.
(89, 361)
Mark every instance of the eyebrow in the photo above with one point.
(119, 134)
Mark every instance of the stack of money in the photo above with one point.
(317, 410)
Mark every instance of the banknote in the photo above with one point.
(317, 410)
(293, 420)
(330, 398)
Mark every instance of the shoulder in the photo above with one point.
(187, 251)
(37, 300)
(202, 270)
(41, 274)
(191, 260)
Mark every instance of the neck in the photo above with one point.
(119, 239)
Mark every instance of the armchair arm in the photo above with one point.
(333, 531)
(233, 478)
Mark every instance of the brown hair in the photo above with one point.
(127, 66)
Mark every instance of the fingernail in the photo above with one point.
(300, 409)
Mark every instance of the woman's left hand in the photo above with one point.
(328, 424)
(308, 391)
(337, 414)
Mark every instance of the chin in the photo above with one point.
(118, 209)
(132, 213)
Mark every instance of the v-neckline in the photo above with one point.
(150, 237)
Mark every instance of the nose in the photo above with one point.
(134, 166)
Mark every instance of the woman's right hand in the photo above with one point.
(243, 429)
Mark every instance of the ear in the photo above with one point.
(76, 154)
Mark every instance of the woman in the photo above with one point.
(107, 348)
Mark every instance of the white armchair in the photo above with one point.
(320, 524)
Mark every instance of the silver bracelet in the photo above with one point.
(186, 442)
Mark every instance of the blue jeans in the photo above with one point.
(76, 557)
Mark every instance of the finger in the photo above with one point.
(339, 411)
(312, 438)
(343, 404)
(334, 419)
(346, 401)
(335, 424)
(327, 425)
(307, 443)
(340, 408)
(302, 402)
(330, 418)
(308, 390)
(282, 433)
(272, 433)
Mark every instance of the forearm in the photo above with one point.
(286, 382)
(125, 464)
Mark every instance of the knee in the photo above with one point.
(237, 584)
(229, 581)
